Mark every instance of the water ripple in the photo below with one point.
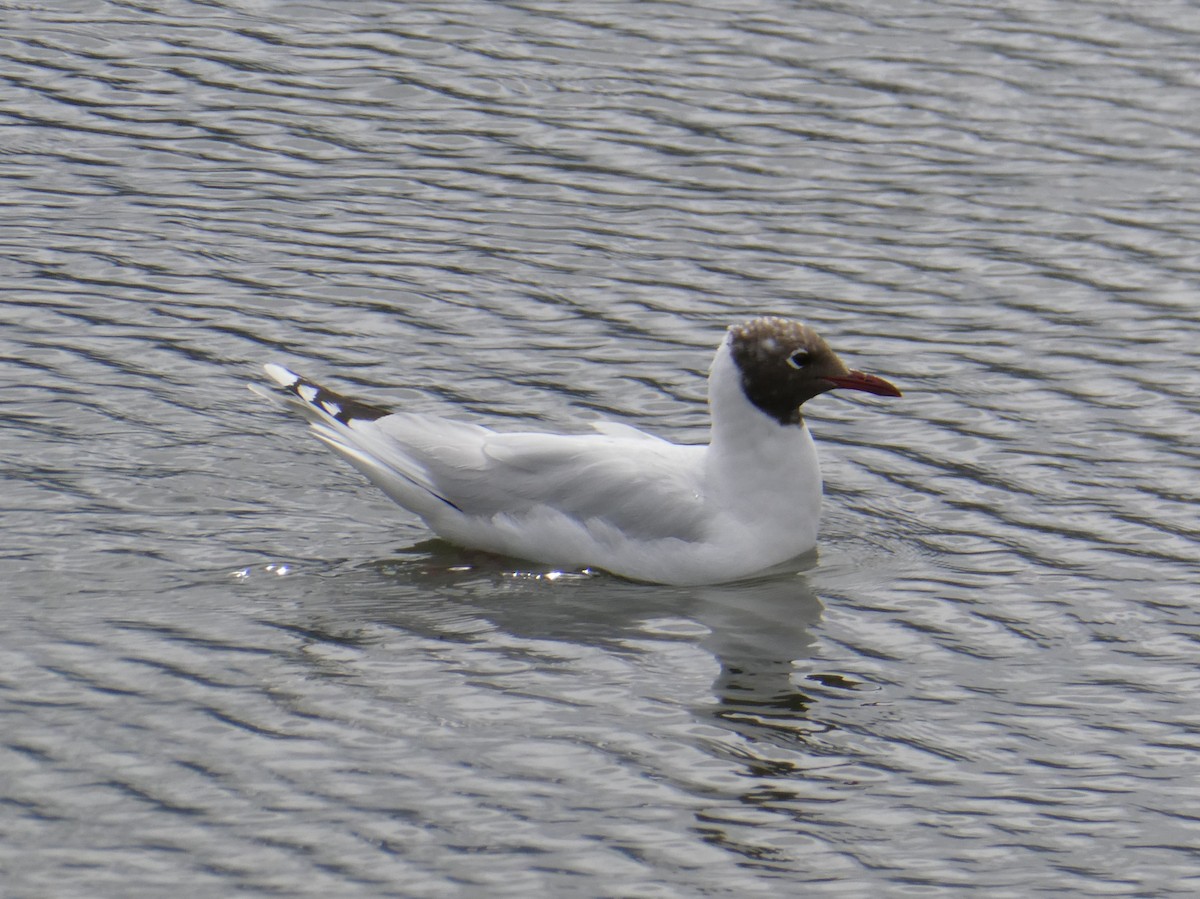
(228, 665)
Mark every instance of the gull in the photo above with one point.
(619, 499)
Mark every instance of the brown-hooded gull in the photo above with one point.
(620, 499)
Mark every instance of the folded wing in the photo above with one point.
(619, 481)
(644, 488)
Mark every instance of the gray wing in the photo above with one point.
(644, 486)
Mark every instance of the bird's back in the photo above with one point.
(460, 476)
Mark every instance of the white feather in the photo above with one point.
(620, 499)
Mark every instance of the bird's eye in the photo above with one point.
(799, 359)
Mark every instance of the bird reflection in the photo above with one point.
(755, 630)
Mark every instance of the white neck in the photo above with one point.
(735, 420)
(764, 473)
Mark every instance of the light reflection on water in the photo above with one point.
(229, 665)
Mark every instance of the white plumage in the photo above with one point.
(620, 499)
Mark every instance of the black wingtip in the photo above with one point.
(341, 408)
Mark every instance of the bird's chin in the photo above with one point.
(858, 380)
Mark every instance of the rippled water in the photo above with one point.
(229, 668)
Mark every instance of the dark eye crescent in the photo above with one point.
(799, 359)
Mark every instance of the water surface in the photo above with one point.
(230, 668)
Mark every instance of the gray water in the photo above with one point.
(231, 669)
